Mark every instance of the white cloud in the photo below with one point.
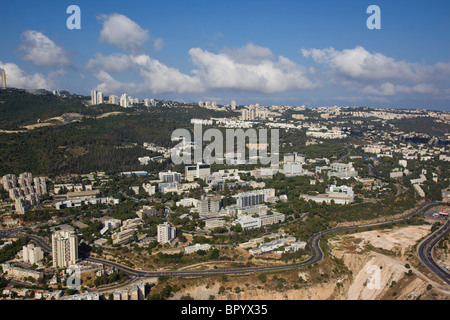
(249, 54)
(17, 78)
(358, 64)
(113, 63)
(122, 32)
(156, 77)
(42, 51)
(257, 72)
(158, 44)
(389, 89)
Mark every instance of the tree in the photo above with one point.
(262, 277)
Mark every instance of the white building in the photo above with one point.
(124, 100)
(32, 254)
(99, 98)
(149, 188)
(114, 100)
(293, 168)
(252, 198)
(198, 171)
(94, 97)
(170, 176)
(64, 248)
(197, 247)
(166, 233)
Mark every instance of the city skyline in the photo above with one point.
(283, 53)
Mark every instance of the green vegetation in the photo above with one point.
(114, 277)
(9, 251)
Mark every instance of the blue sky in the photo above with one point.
(316, 53)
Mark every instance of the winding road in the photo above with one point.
(314, 243)
(425, 252)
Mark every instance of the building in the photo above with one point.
(197, 247)
(263, 173)
(94, 95)
(146, 211)
(198, 171)
(135, 292)
(40, 186)
(209, 204)
(214, 223)
(124, 101)
(338, 194)
(75, 203)
(293, 169)
(64, 248)
(3, 79)
(20, 273)
(342, 170)
(123, 236)
(166, 233)
(100, 98)
(170, 176)
(110, 223)
(252, 198)
(248, 222)
(149, 188)
(86, 296)
(294, 157)
(167, 187)
(271, 218)
(114, 100)
(32, 254)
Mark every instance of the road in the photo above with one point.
(425, 252)
(314, 243)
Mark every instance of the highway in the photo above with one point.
(425, 252)
(314, 243)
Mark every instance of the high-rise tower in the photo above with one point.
(3, 79)
(64, 249)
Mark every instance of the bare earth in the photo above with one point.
(374, 275)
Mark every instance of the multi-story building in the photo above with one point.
(342, 170)
(197, 247)
(294, 157)
(292, 168)
(166, 233)
(337, 194)
(32, 254)
(100, 97)
(124, 100)
(94, 97)
(272, 218)
(252, 198)
(64, 248)
(170, 176)
(20, 273)
(209, 204)
(198, 171)
(123, 236)
(114, 100)
(40, 186)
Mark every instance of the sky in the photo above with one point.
(284, 52)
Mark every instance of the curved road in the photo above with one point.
(314, 243)
(425, 252)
